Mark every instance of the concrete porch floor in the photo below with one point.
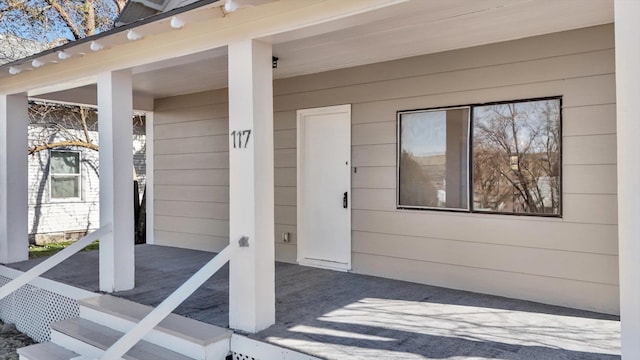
(338, 315)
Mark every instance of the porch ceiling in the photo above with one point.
(408, 29)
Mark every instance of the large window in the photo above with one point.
(65, 174)
(509, 152)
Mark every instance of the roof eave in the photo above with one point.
(114, 31)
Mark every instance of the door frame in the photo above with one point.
(300, 191)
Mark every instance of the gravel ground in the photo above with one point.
(11, 340)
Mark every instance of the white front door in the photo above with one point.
(324, 187)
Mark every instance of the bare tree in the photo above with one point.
(516, 157)
(55, 126)
(54, 22)
(69, 127)
(61, 126)
(13, 48)
(31, 26)
(416, 184)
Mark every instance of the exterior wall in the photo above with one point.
(191, 171)
(58, 220)
(49, 219)
(570, 261)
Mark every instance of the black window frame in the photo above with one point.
(399, 154)
(470, 158)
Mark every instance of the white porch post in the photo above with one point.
(627, 33)
(252, 278)
(115, 130)
(14, 240)
(149, 188)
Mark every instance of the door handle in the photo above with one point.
(345, 200)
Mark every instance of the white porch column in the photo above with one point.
(115, 130)
(14, 239)
(149, 188)
(252, 269)
(627, 35)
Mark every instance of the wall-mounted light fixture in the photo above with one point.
(176, 23)
(37, 63)
(63, 55)
(231, 6)
(133, 36)
(96, 46)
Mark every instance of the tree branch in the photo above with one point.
(65, 17)
(89, 18)
(120, 4)
(83, 121)
(54, 145)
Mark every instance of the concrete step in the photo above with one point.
(45, 351)
(90, 339)
(183, 335)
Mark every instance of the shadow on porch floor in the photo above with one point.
(338, 315)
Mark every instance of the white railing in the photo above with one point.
(126, 342)
(52, 261)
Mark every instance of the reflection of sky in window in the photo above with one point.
(530, 121)
(63, 162)
(424, 133)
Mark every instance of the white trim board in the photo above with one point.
(49, 285)
(150, 168)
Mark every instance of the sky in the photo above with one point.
(20, 24)
(424, 133)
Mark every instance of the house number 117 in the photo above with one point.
(240, 138)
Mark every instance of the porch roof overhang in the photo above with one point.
(308, 36)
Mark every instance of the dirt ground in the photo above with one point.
(11, 340)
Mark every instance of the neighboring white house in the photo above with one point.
(64, 183)
(334, 159)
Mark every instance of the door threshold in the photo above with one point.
(324, 264)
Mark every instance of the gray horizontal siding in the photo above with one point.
(192, 173)
(523, 257)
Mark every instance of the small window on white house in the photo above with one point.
(65, 174)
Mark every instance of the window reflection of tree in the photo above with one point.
(417, 187)
(516, 157)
